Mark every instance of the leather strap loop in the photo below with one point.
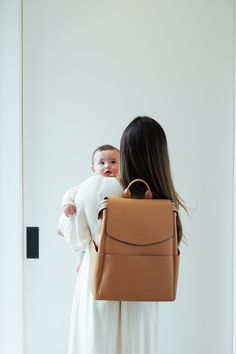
(127, 193)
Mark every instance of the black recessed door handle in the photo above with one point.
(32, 242)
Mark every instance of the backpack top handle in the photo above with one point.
(127, 192)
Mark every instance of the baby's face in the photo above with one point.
(106, 163)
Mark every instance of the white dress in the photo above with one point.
(104, 327)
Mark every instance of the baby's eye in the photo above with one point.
(101, 163)
(113, 162)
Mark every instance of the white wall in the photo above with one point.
(11, 238)
(91, 67)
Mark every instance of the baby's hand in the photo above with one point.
(70, 210)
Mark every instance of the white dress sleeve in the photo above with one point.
(81, 228)
(92, 192)
(69, 196)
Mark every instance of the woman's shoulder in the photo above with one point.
(100, 185)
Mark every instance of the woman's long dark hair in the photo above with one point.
(144, 154)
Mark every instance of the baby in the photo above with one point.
(105, 162)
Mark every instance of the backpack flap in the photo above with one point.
(145, 226)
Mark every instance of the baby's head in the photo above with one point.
(106, 161)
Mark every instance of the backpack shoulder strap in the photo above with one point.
(103, 205)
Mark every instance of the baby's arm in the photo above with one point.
(68, 201)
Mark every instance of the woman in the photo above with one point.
(118, 327)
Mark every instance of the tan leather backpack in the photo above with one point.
(137, 258)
